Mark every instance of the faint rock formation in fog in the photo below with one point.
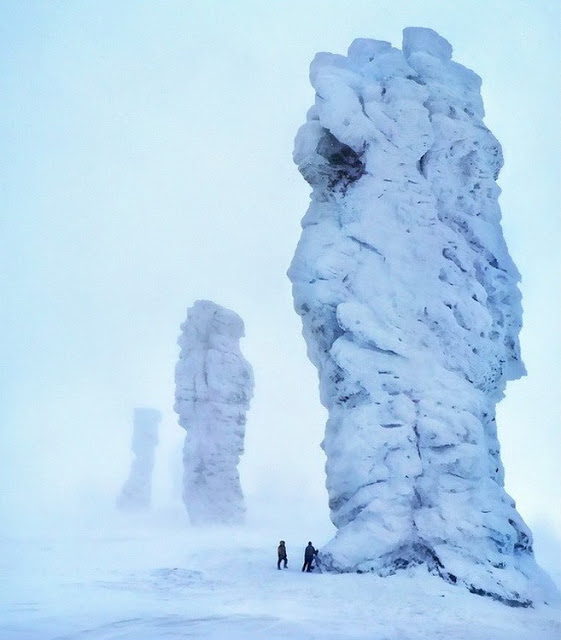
(137, 490)
(411, 314)
(214, 386)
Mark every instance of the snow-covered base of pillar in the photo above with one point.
(516, 581)
(411, 313)
(522, 584)
(423, 497)
(212, 492)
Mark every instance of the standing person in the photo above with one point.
(281, 552)
(309, 554)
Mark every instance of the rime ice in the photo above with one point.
(137, 490)
(411, 314)
(214, 385)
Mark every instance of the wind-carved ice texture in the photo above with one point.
(411, 314)
(214, 386)
(137, 490)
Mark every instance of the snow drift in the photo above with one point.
(411, 314)
(214, 385)
(136, 493)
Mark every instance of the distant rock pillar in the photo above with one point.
(214, 385)
(137, 490)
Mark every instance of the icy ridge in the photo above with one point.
(214, 386)
(411, 314)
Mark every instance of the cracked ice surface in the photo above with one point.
(411, 314)
(214, 386)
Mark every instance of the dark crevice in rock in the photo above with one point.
(508, 601)
(366, 246)
(345, 165)
(422, 164)
(352, 400)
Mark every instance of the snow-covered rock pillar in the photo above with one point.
(214, 386)
(137, 490)
(411, 314)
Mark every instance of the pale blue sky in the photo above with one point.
(146, 163)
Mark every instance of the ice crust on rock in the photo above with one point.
(411, 314)
(137, 491)
(214, 386)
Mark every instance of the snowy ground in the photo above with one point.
(138, 583)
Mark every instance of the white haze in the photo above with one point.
(147, 164)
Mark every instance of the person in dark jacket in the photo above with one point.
(281, 552)
(309, 554)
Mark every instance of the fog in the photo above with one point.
(147, 164)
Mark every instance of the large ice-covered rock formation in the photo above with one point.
(214, 386)
(136, 493)
(411, 314)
